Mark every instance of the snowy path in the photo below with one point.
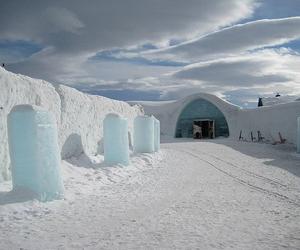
(195, 195)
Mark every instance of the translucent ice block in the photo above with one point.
(298, 135)
(156, 135)
(116, 145)
(34, 152)
(143, 136)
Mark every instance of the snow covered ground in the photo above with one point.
(216, 194)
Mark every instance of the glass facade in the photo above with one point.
(197, 110)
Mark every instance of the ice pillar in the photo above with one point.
(116, 145)
(34, 152)
(298, 135)
(156, 135)
(143, 137)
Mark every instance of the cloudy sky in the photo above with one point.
(157, 49)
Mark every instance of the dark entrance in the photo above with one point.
(203, 129)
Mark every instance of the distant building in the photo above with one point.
(205, 116)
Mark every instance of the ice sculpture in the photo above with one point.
(298, 135)
(34, 152)
(143, 136)
(116, 145)
(156, 135)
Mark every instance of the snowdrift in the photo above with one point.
(79, 116)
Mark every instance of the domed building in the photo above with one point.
(206, 116)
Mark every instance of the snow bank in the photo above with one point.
(79, 116)
(268, 120)
(19, 89)
(82, 118)
(270, 101)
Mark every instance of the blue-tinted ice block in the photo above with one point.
(34, 152)
(116, 144)
(298, 135)
(143, 136)
(156, 135)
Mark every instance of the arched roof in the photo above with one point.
(169, 112)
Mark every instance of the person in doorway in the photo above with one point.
(197, 131)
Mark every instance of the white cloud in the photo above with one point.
(235, 39)
(116, 23)
(228, 62)
(250, 75)
(76, 30)
(61, 19)
(267, 71)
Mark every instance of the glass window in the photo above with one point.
(197, 110)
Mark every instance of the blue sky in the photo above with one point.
(17, 50)
(157, 50)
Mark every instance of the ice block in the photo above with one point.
(156, 135)
(116, 144)
(298, 135)
(143, 136)
(34, 152)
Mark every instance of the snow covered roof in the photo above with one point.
(270, 101)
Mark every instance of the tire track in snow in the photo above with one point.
(243, 182)
(247, 171)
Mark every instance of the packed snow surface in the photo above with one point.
(215, 194)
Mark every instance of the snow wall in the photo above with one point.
(269, 120)
(79, 116)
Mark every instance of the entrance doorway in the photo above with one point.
(201, 110)
(203, 129)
